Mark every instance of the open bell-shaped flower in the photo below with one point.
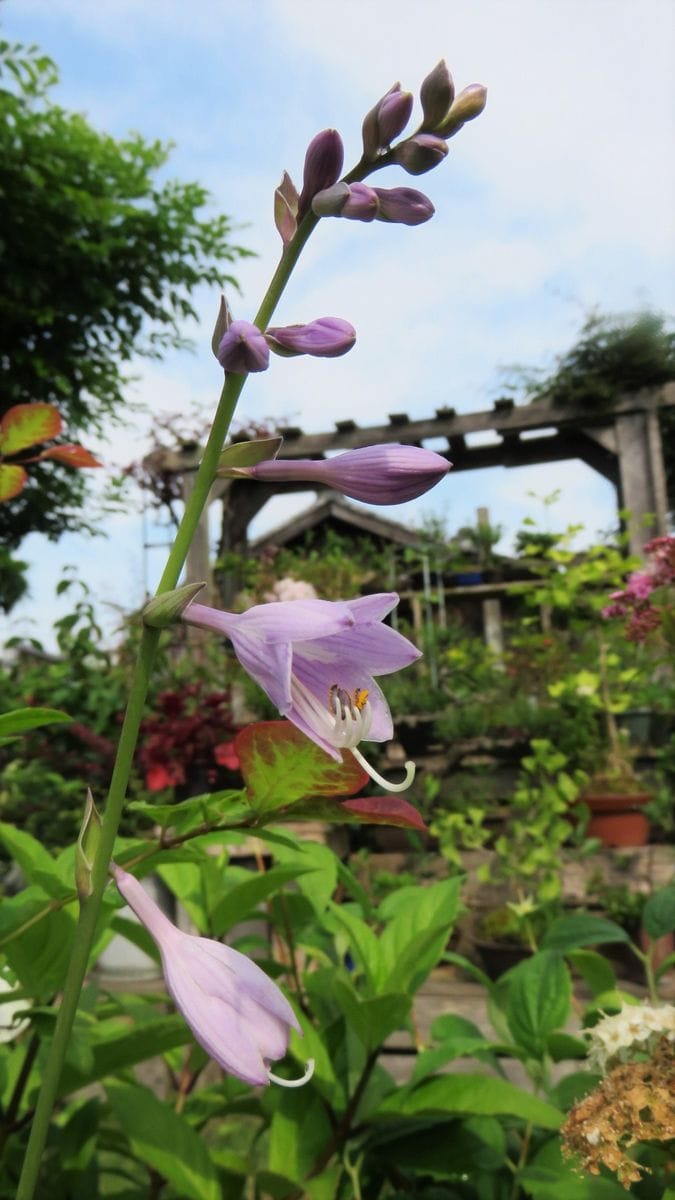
(233, 1008)
(316, 660)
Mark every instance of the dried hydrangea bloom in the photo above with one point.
(635, 1103)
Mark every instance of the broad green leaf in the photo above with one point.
(572, 1088)
(23, 719)
(544, 1184)
(581, 929)
(658, 915)
(25, 424)
(461, 1046)
(443, 1147)
(239, 901)
(312, 856)
(373, 1019)
(210, 809)
(561, 1046)
(459, 960)
(39, 955)
(36, 863)
(184, 879)
(363, 942)
(472, 1095)
(281, 766)
(594, 969)
(538, 1000)
(164, 1140)
(12, 480)
(116, 1045)
(299, 1125)
(418, 931)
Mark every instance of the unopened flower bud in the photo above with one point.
(387, 474)
(469, 104)
(386, 120)
(243, 349)
(403, 206)
(323, 166)
(166, 608)
(436, 94)
(420, 153)
(223, 322)
(327, 337)
(355, 201)
(87, 845)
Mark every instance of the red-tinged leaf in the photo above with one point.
(281, 766)
(71, 456)
(385, 810)
(12, 480)
(25, 424)
(368, 810)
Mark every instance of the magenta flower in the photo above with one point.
(316, 660)
(388, 474)
(243, 348)
(234, 1010)
(327, 337)
(323, 166)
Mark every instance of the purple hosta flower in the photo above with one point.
(243, 348)
(390, 474)
(358, 202)
(327, 337)
(323, 167)
(386, 120)
(316, 660)
(233, 1008)
(420, 153)
(404, 206)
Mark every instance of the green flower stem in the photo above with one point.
(91, 905)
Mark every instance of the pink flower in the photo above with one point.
(233, 1009)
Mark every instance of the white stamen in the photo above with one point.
(384, 783)
(291, 1083)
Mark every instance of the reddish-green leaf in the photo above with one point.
(385, 810)
(71, 455)
(25, 424)
(12, 480)
(281, 766)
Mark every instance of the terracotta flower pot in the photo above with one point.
(617, 819)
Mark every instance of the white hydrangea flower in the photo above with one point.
(636, 1028)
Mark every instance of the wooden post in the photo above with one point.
(642, 477)
(493, 631)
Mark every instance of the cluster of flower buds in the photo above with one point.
(358, 202)
(242, 348)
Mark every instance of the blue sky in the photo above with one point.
(558, 199)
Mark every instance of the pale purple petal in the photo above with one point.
(286, 620)
(372, 608)
(378, 650)
(269, 665)
(258, 985)
(149, 914)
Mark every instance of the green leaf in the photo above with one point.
(362, 941)
(658, 915)
(36, 863)
(312, 856)
(561, 1046)
(248, 454)
(538, 1000)
(472, 1095)
(443, 1148)
(594, 969)
(239, 901)
(281, 766)
(299, 1125)
(373, 1019)
(418, 931)
(116, 1046)
(210, 809)
(39, 955)
(364, 810)
(12, 480)
(581, 929)
(165, 1141)
(23, 719)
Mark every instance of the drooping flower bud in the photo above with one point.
(436, 94)
(469, 104)
(355, 201)
(243, 348)
(286, 208)
(420, 153)
(323, 165)
(403, 206)
(385, 121)
(327, 337)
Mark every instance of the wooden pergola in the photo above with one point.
(622, 442)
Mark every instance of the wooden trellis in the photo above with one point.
(622, 442)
